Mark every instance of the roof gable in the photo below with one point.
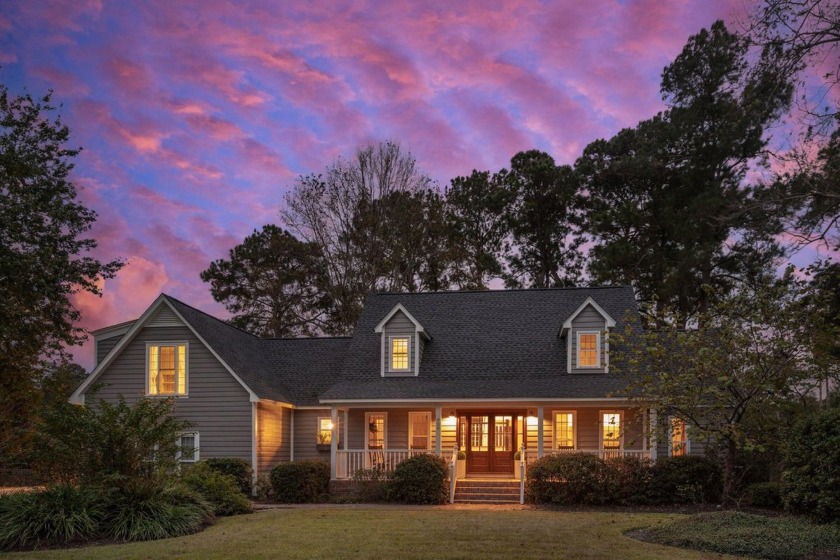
(400, 309)
(610, 322)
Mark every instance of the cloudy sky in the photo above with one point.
(196, 117)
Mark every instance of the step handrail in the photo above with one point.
(522, 462)
(453, 478)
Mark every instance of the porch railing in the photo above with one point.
(601, 453)
(453, 474)
(348, 461)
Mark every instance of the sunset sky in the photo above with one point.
(196, 117)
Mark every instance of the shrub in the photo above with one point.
(629, 481)
(300, 482)
(219, 489)
(577, 478)
(141, 509)
(765, 494)
(59, 515)
(239, 469)
(370, 485)
(812, 466)
(686, 479)
(264, 489)
(420, 480)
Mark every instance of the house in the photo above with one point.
(488, 372)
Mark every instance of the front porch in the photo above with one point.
(492, 438)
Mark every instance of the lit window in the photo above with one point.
(376, 430)
(678, 437)
(419, 430)
(611, 430)
(399, 353)
(167, 373)
(325, 430)
(589, 350)
(188, 447)
(564, 430)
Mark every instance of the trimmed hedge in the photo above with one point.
(812, 466)
(420, 480)
(218, 488)
(301, 482)
(765, 494)
(239, 469)
(584, 479)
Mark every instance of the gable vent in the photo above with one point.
(165, 317)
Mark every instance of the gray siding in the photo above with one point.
(217, 404)
(106, 345)
(164, 317)
(274, 435)
(396, 428)
(306, 431)
(399, 325)
(588, 320)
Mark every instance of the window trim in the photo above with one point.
(391, 368)
(574, 427)
(428, 415)
(686, 443)
(196, 448)
(384, 430)
(318, 432)
(176, 344)
(597, 349)
(601, 429)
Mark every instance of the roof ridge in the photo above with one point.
(308, 338)
(501, 290)
(197, 310)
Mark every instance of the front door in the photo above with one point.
(490, 443)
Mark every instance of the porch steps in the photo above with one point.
(487, 492)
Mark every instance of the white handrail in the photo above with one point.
(522, 461)
(453, 478)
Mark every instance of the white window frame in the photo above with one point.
(597, 350)
(196, 448)
(384, 429)
(601, 429)
(687, 447)
(176, 344)
(428, 415)
(318, 433)
(574, 427)
(391, 367)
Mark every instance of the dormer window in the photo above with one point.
(399, 353)
(589, 349)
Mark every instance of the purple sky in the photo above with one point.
(195, 117)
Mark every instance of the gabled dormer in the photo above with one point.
(403, 340)
(587, 343)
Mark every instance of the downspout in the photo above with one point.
(292, 436)
(254, 436)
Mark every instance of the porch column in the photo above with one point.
(346, 429)
(333, 441)
(645, 430)
(540, 431)
(437, 431)
(653, 427)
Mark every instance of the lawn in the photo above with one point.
(402, 532)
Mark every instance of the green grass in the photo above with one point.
(729, 532)
(403, 532)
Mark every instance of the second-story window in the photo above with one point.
(589, 350)
(399, 353)
(167, 373)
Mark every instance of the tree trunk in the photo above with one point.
(730, 475)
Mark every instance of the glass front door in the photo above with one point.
(490, 443)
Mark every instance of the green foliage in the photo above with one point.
(765, 494)
(301, 482)
(58, 515)
(92, 443)
(370, 485)
(264, 490)
(44, 256)
(421, 479)
(239, 469)
(577, 478)
(812, 466)
(146, 509)
(731, 532)
(219, 489)
(630, 480)
(686, 479)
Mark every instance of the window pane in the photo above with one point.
(564, 430)
(166, 370)
(188, 447)
(182, 370)
(399, 353)
(376, 431)
(612, 430)
(479, 427)
(588, 350)
(678, 437)
(420, 423)
(503, 429)
(324, 431)
(153, 370)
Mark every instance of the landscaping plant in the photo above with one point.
(300, 482)
(421, 479)
(219, 489)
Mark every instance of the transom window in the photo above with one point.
(188, 447)
(376, 430)
(419, 430)
(611, 430)
(589, 349)
(399, 353)
(564, 430)
(325, 430)
(167, 371)
(678, 437)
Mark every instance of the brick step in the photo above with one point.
(487, 496)
(486, 490)
(494, 483)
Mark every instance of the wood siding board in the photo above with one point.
(273, 443)
(588, 320)
(105, 345)
(306, 430)
(399, 325)
(217, 404)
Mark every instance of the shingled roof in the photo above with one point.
(486, 345)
